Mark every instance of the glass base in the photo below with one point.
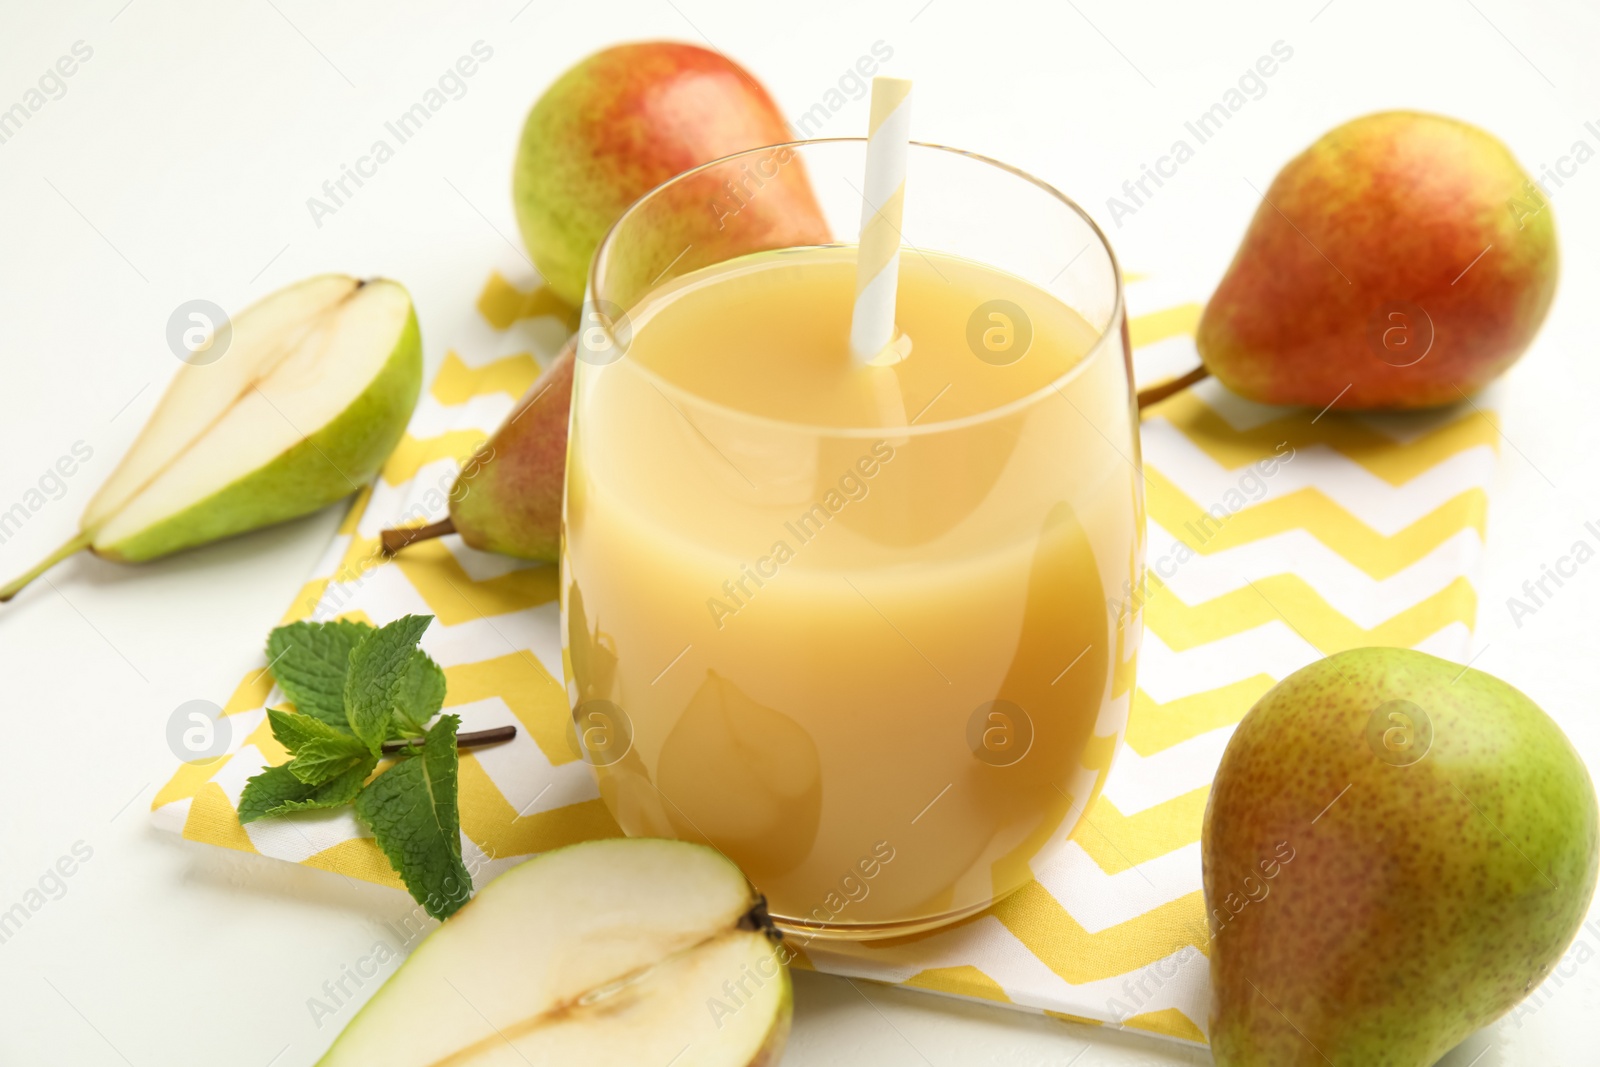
(804, 932)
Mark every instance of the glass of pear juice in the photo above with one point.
(864, 629)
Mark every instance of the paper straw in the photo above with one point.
(878, 254)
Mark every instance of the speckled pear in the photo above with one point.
(1396, 850)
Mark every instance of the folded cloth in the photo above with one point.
(1276, 536)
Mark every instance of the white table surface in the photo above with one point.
(176, 165)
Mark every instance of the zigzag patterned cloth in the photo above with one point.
(1276, 537)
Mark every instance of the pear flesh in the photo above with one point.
(1396, 851)
(610, 952)
(312, 394)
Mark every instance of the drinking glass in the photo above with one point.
(891, 725)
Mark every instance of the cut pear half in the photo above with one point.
(311, 395)
(624, 951)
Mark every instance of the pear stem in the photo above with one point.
(15, 586)
(759, 920)
(470, 739)
(1157, 393)
(393, 541)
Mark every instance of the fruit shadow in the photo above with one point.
(832, 1024)
(295, 543)
(843, 1020)
(233, 873)
(1483, 1049)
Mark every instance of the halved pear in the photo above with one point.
(308, 400)
(624, 951)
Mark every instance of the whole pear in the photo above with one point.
(1396, 850)
(507, 498)
(1404, 260)
(625, 120)
(608, 131)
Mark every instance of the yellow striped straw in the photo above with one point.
(872, 331)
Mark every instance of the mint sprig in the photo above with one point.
(356, 687)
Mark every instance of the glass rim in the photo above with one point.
(1111, 331)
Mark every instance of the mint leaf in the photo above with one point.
(324, 760)
(379, 667)
(309, 661)
(265, 793)
(411, 810)
(295, 731)
(320, 752)
(276, 791)
(419, 696)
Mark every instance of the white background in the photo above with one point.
(177, 165)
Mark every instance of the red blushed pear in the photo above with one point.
(507, 498)
(1404, 260)
(629, 118)
(608, 131)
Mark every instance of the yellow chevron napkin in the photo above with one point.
(1276, 536)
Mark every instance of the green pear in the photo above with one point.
(608, 953)
(1404, 260)
(310, 396)
(1396, 850)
